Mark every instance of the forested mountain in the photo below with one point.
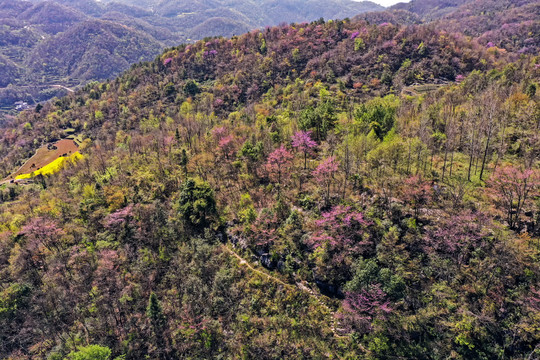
(431, 9)
(341, 189)
(513, 25)
(91, 50)
(61, 42)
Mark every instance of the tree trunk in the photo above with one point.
(451, 163)
(485, 155)
(445, 158)
(470, 166)
(409, 159)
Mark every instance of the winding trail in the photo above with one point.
(299, 286)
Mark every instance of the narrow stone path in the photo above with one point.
(242, 261)
(298, 286)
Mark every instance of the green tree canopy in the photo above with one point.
(197, 203)
(90, 352)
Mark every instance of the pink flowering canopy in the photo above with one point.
(278, 161)
(458, 236)
(341, 229)
(42, 228)
(324, 175)
(326, 169)
(302, 141)
(360, 309)
(219, 132)
(279, 157)
(226, 145)
(119, 217)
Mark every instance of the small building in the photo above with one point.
(21, 106)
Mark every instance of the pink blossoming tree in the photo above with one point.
(457, 237)
(360, 309)
(302, 142)
(42, 231)
(226, 146)
(119, 223)
(279, 161)
(339, 236)
(325, 173)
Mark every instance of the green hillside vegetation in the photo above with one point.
(275, 196)
(65, 42)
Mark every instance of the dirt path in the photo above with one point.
(63, 87)
(334, 326)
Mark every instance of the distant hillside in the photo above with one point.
(10, 8)
(510, 24)
(64, 42)
(225, 26)
(69, 42)
(430, 9)
(51, 17)
(359, 60)
(297, 11)
(10, 71)
(268, 12)
(92, 50)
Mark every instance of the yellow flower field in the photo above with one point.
(52, 167)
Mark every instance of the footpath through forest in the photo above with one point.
(299, 286)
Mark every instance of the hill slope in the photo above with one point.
(91, 50)
(46, 39)
(324, 190)
(512, 25)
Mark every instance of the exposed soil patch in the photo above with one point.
(45, 155)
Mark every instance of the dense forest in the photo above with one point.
(345, 189)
